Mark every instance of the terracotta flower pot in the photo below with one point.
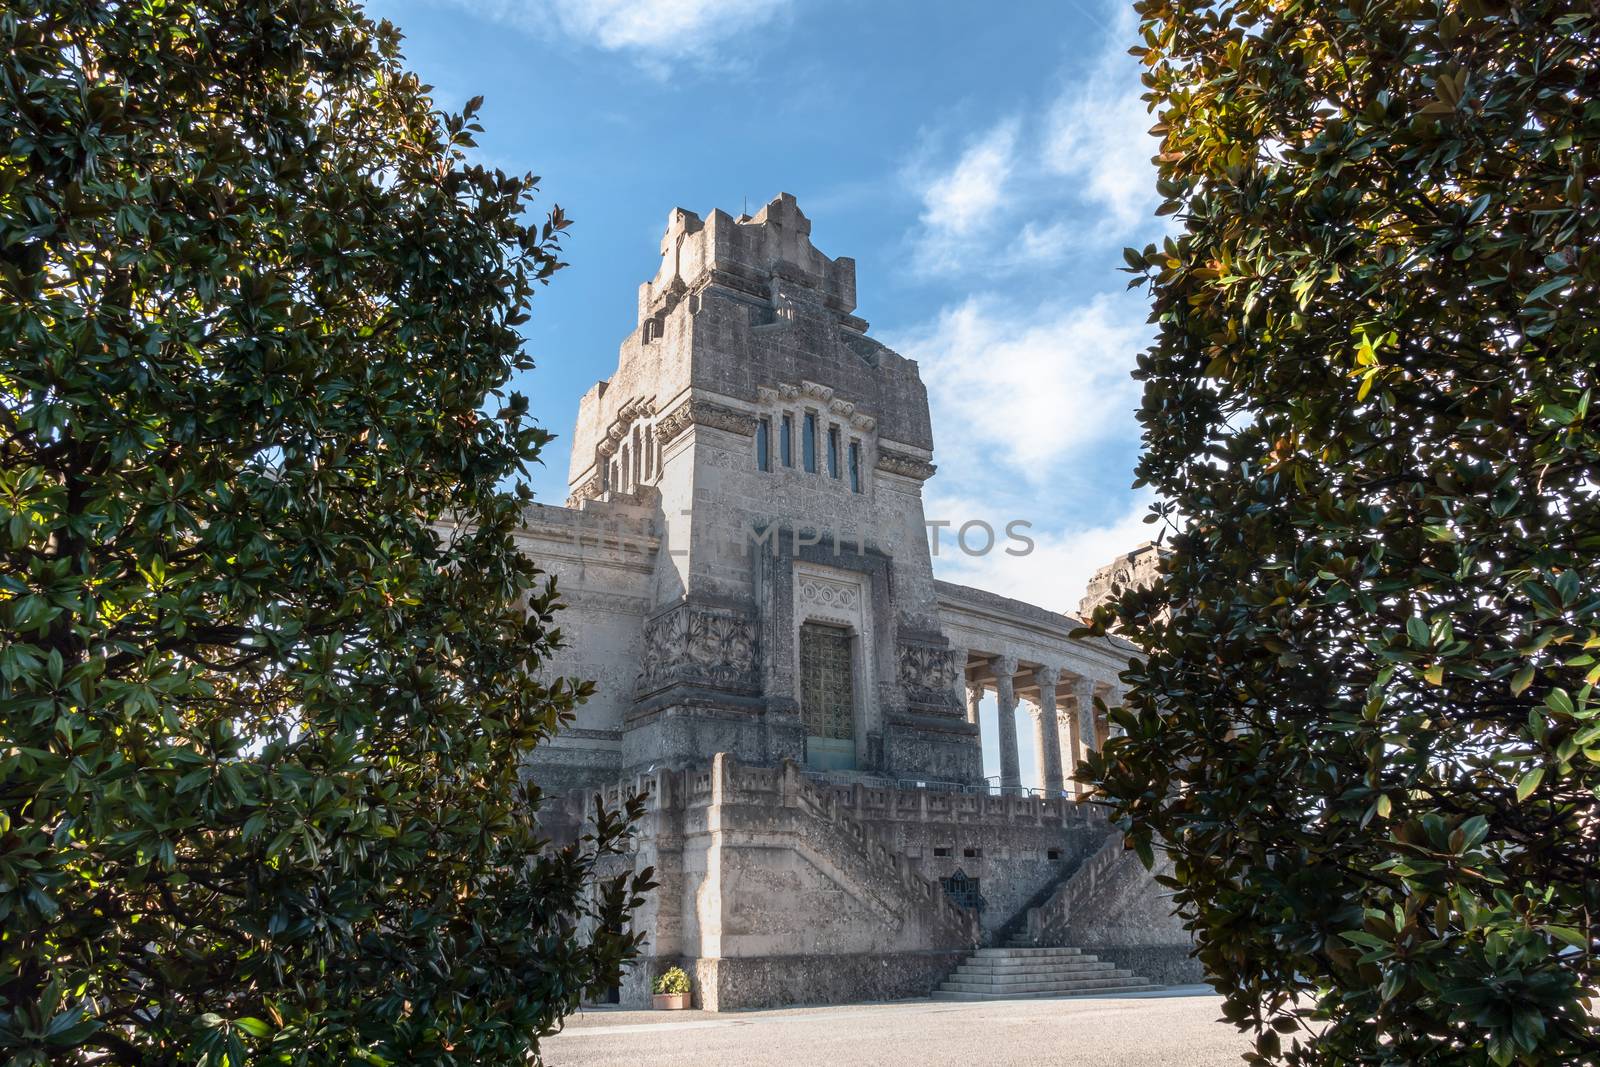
(670, 1001)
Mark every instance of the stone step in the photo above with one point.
(1029, 982)
(1009, 980)
(1000, 963)
(942, 994)
(1006, 972)
(1009, 974)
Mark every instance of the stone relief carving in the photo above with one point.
(1136, 569)
(638, 408)
(589, 489)
(836, 598)
(901, 463)
(699, 646)
(703, 413)
(930, 675)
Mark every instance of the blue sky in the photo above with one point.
(984, 165)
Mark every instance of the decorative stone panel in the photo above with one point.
(697, 645)
(586, 490)
(833, 601)
(930, 674)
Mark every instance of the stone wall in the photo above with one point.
(602, 556)
(1137, 569)
(772, 893)
(1015, 846)
(779, 981)
(1113, 907)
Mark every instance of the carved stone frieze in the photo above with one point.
(699, 646)
(611, 603)
(907, 465)
(588, 489)
(835, 598)
(703, 413)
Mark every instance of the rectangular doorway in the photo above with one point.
(827, 696)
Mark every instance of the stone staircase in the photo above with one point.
(1016, 971)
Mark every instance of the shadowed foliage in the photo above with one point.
(1366, 732)
(267, 648)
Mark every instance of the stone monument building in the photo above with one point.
(747, 576)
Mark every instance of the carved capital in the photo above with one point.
(1005, 671)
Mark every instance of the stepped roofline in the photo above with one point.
(746, 253)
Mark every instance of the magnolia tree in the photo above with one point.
(267, 650)
(1366, 731)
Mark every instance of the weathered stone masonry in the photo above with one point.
(747, 573)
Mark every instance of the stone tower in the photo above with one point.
(779, 453)
(746, 574)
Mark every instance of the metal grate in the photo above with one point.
(963, 891)
(827, 697)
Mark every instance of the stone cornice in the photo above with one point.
(703, 413)
(823, 397)
(906, 465)
(638, 408)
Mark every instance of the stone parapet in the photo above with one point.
(923, 805)
(1112, 906)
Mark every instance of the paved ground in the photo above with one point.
(1177, 1028)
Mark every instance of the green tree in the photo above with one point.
(1366, 731)
(267, 648)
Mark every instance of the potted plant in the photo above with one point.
(672, 990)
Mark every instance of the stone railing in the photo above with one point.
(884, 862)
(869, 858)
(898, 803)
(864, 855)
(1048, 923)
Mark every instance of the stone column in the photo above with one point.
(1005, 692)
(1071, 749)
(974, 699)
(1114, 697)
(1088, 736)
(1047, 733)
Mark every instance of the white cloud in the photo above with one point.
(1056, 572)
(1073, 177)
(1028, 387)
(653, 30)
(962, 199)
(1096, 134)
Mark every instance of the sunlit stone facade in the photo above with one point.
(747, 572)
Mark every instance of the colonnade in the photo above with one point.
(1066, 727)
